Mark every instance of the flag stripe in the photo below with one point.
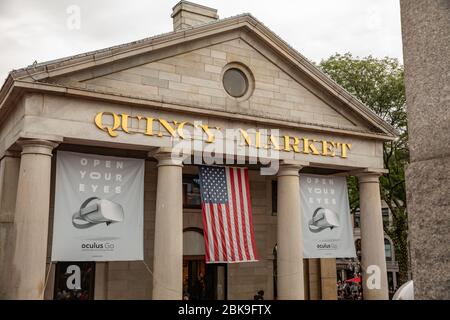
(215, 257)
(231, 235)
(237, 210)
(247, 224)
(222, 237)
(217, 234)
(226, 228)
(213, 246)
(232, 217)
(206, 234)
(242, 215)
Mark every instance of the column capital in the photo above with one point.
(166, 157)
(369, 178)
(10, 154)
(291, 167)
(366, 176)
(369, 172)
(37, 146)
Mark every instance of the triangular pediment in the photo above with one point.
(187, 70)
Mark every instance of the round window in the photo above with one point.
(235, 82)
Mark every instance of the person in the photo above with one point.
(198, 291)
(354, 287)
(347, 291)
(259, 295)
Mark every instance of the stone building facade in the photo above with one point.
(69, 104)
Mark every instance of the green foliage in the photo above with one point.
(379, 84)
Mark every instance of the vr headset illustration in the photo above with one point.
(323, 218)
(94, 211)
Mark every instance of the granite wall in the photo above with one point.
(426, 47)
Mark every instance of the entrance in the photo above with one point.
(202, 281)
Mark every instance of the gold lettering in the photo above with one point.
(149, 127)
(246, 137)
(258, 139)
(125, 123)
(111, 130)
(309, 146)
(181, 127)
(273, 141)
(209, 134)
(166, 126)
(287, 144)
(248, 140)
(344, 148)
(327, 148)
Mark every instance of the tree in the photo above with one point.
(379, 84)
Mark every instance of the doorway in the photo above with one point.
(202, 281)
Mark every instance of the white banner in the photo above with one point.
(326, 225)
(99, 208)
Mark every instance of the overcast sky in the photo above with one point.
(44, 30)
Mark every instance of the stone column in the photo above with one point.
(328, 278)
(289, 236)
(426, 44)
(9, 176)
(372, 238)
(315, 288)
(168, 249)
(31, 220)
(101, 281)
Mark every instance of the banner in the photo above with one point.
(326, 225)
(99, 208)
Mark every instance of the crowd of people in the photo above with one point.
(349, 290)
(72, 295)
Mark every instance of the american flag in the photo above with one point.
(227, 215)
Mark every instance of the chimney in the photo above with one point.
(186, 14)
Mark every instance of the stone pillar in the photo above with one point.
(101, 281)
(372, 238)
(315, 288)
(426, 44)
(49, 289)
(289, 236)
(9, 176)
(168, 249)
(31, 220)
(328, 276)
